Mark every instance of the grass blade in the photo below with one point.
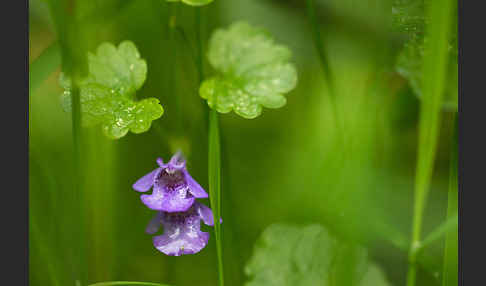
(434, 73)
(214, 169)
(444, 229)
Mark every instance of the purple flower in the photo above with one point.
(174, 190)
(182, 234)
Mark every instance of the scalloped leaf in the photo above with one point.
(193, 2)
(120, 69)
(107, 95)
(254, 71)
(294, 255)
(116, 114)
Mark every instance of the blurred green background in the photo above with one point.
(288, 165)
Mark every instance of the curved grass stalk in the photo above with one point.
(324, 61)
(434, 72)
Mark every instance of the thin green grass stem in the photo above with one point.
(214, 169)
(200, 56)
(444, 229)
(434, 72)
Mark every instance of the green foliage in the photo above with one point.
(108, 93)
(362, 187)
(253, 71)
(193, 2)
(292, 255)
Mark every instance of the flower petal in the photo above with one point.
(153, 201)
(176, 203)
(194, 188)
(146, 182)
(177, 161)
(169, 201)
(180, 244)
(154, 225)
(205, 213)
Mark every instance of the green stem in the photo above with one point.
(444, 229)
(434, 69)
(324, 61)
(185, 40)
(214, 156)
(172, 25)
(199, 56)
(199, 48)
(72, 59)
(214, 174)
(450, 269)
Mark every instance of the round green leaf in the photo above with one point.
(107, 95)
(254, 71)
(310, 255)
(120, 69)
(117, 114)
